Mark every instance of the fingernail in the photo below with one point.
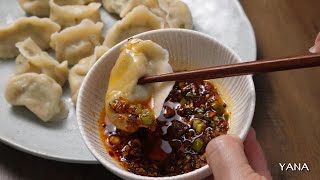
(312, 49)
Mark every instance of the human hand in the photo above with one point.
(229, 158)
(316, 47)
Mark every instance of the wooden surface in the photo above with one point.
(287, 115)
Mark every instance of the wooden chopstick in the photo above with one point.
(262, 66)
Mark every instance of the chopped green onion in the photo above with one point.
(226, 116)
(147, 117)
(183, 102)
(138, 109)
(197, 145)
(200, 128)
(212, 124)
(218, 107)
(195, 123)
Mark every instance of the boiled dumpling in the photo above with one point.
(77, 42)
(39, 93)
(178, 14)
(80, 70)
(123, 7)
(74, 2)
(139, 20)
(33, 59)
(114, 6)
(41, 8)
(70, 15)
(39, 29)
(175, 12)
(35, 7)
(137, 59)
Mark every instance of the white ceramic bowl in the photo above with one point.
(188, 50)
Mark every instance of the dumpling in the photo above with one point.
(41, 8)
(35, 7)
(33, 59)
(39, 93)
(123, 7)
(74, 2)
(178, 14)
(114, 6)
(77, 42)
(137, 59)
(39, 29)
(139, 20)
(80, 70)
(70, 15)
(175, 12)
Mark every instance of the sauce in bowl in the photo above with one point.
(192, 115)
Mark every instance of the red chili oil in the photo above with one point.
(193, 114)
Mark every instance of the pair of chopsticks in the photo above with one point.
(262, 66)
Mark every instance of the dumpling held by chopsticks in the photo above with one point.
(128, 105)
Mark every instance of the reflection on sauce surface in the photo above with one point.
(192, 115)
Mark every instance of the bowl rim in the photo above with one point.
(125, 174)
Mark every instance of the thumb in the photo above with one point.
(227, 160)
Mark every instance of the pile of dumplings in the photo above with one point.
(73, 29)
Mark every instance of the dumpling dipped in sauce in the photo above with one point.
(162, 129)
(130, 106)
